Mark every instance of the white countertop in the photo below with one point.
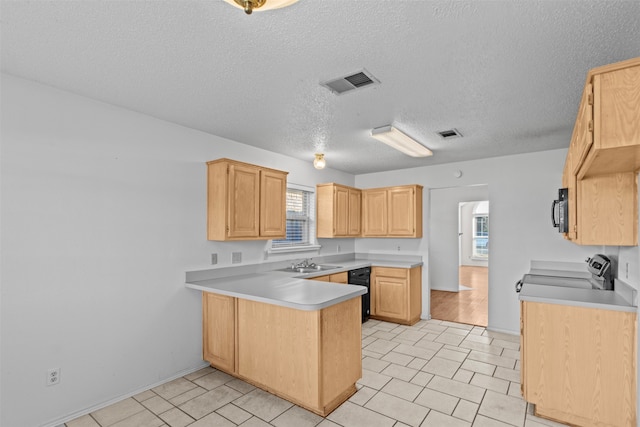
(578, 297)
(288, 289)
(555, 292)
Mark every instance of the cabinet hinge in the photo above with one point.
(227, 228)
(590, 99)
(590, 125)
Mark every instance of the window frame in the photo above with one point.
(476, 236)
(312, 244)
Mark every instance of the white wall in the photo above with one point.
(442, 233)
(521, 188)
(103, 210)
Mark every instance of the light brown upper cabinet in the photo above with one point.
(245, 201)
(392, 211)
(604, 158)
(339, 210)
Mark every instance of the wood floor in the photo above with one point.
(466, 306)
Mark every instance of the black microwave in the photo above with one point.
(560, 211)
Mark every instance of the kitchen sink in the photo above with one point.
(310, 269)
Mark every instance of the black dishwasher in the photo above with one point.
(362, 277)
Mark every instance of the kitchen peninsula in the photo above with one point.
(285, 332)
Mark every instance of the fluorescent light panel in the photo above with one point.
(400, 141)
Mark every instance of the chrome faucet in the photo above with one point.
(304, 263)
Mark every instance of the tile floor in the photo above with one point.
(432, 374)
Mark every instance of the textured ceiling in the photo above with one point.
(507, 74)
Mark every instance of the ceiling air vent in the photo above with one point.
(351, 82)
(449, 134)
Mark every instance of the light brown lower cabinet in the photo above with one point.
(310, 358)
(342, 277)
(578, 365)
(396, 294)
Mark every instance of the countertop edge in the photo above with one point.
(574, 297)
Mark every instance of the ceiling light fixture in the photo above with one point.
(400, 141)
(250, 5)
(319, 162)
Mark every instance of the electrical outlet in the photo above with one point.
(236, 257)
(338, 248)
(398, 248)
(214, 259)
(626, 271)
(53, 376)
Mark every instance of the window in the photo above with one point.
(481, 236)
(300, 211)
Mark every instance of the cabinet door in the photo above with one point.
(392, 297)
(340, 211)
(579, 364)
(218, 326)
(374, 212)
(244, 201)
(355, 203)
(342, 277)
(273, 204)
(619, 108)
(402, 221)
(608, 210)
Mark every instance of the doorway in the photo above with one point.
(459, 254)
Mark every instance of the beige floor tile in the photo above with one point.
(507, 374)
(213, 380)
(255, 422)
(490, 383)
(363, 395)
(457, 389)
(457, 331)
(349, 414)
(480, 367)
(448, 338)
(511, 345)
(417, 350)
(479, 338)
(417, 363)
(442, 367)
(507, 409)
(477, 330)
(381, 346)
(297, 417)
(141, 419)
(199, 373)
(384, 335)
(374, 365)
(402, 389)
(181, 398)
(176, 418)
(399, 409)
(264, 405)
(533, 421)
(513, 354)
(385, 326)
(463, 376)
(209, 401)
(438, 401)
(436, 329)
(327, 423)
(241, 386)
(514, 390)
(213, 420)
(437, 419)
(397, 358)
(505, 362)
(447, 353)
(400, 372)
(412, 335)
(233, 413)
(157, 405)
(144, 395)
(466, 410)
(422, 378)
(84, 421)
(485, 348)
(173, 388)
(368, 340)
(117, 412)
(373, 379)
(372, 354)
(503, 336)
(482, 421)
(457, 325)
